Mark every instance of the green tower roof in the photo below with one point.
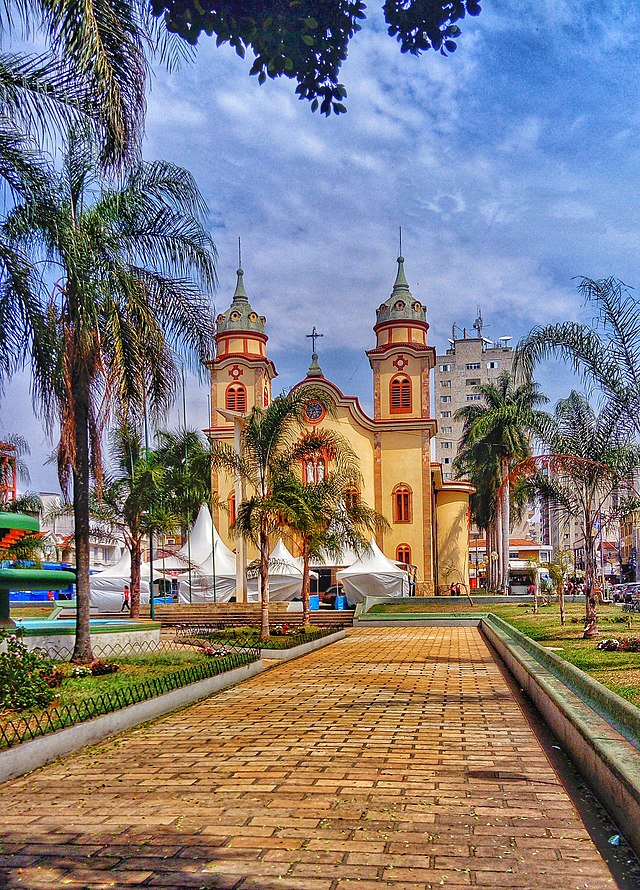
(401, 305)
(240, 316)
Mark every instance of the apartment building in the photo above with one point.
(469, 361)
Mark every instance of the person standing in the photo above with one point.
(126, 598)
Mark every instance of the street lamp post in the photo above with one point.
(238, 420)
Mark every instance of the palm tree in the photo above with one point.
(186, 458)
(330, 517)
(131, 259)
(497, 434)
(606, 355)
(132, 502)
(586, 460)
(272, 444)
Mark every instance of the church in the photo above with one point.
(428, 516)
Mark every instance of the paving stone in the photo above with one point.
(397, 758)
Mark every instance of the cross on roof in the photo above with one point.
(314, 335)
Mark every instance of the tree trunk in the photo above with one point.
(591, 614)
(136, 561)
(306, 591)
(506, 527)
(560, 590)
(498, 534)
(264, 583)
(82, 652)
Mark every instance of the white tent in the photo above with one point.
(346, 558)
(285, 576)
(107, 587)
(372, 574)
(206, 551)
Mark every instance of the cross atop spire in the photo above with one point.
(314, 335)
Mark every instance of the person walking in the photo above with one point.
(126, 598)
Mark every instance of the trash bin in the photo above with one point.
(314, 601)
(341, 603)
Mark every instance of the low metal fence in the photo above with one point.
(20, 729)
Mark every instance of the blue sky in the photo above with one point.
(512, 167)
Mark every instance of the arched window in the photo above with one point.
(236, 397)
(351, 497)
(403, 554)
(231, 506)
(400, 395)
(402, 503)
(265, 397)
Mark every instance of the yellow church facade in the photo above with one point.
(428, 517)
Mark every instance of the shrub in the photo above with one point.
(28, 677)
(99, 668)
(609, 645)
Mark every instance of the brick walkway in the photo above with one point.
(396, 758)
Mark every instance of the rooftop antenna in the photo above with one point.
(479, 324)
(400, 232)
(504, 340)
(239, 253)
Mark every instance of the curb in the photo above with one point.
(599, 740)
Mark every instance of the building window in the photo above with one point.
(493, 366)
(446, 444)
(472, 381)
(236, 398)
(265, 397)
(402, 503)
(446, 476)
(472, 366)
(446, 460)
(445, 414)
(474, 397)
(445, 398)
(400, 395)
(446, 384)
(446, 429)
(403, 554)
(351, 497)
(231, 507)
(445, 368)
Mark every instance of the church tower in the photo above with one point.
(241, 376)
(401, 361)
(401, 364)
(241, 373)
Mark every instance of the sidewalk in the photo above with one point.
(397, 758)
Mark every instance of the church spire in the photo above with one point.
(240, 295)
(401, 285)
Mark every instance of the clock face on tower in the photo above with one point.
(314, 411)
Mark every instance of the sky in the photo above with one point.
(511, 165)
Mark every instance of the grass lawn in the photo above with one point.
(619, 671)
(250, 636)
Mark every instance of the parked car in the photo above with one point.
(328, 598)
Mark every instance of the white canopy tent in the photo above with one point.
(206, 551)
(373, 574)
(285, 576)
(107, 587)
(346, 558)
